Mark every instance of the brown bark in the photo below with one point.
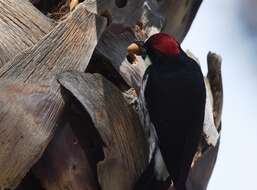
(37, 111)
(124, 144)
(21, 26)
(65, 164)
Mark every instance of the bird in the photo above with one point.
(174, 95)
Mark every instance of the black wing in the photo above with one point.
(175, 98)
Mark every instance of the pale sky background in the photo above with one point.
(222, 26)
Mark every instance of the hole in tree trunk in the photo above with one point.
(55, 9)
(50, 5)
(120, 3)
(88, 136)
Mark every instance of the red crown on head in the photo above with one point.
(164, 43)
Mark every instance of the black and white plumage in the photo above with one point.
(174, 96)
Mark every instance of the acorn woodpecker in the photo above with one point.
(174, 94)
